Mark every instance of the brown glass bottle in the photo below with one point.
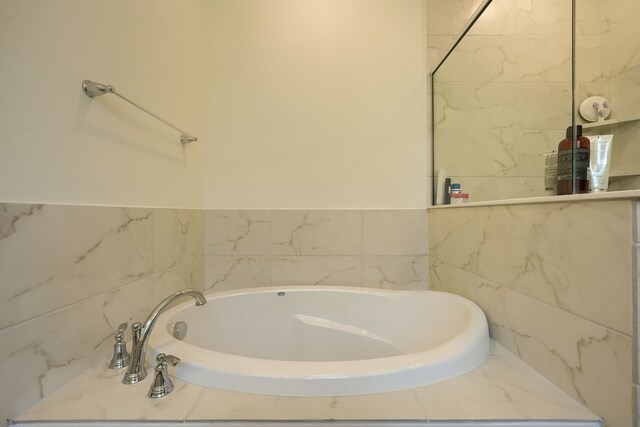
(565, 163)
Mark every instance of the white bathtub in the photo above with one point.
(324, 341)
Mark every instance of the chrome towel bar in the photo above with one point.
(93, 89)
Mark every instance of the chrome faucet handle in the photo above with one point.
(162, 385)
(121, 357)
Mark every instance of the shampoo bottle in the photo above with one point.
(565, 163)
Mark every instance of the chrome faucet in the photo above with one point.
(136, 371)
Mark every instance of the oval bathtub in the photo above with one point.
(324, 341)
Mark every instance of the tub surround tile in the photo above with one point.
(71, 274)
(224, 273)
(99, 394)
(373, 248)
(237, 232)
(452, 237)
(316, 271)
(316, 233)
(190, 275)
(395, 272)
(52, 256)
(178, 237)
(534, 267)
(395, 232)
(40, 355)
(558, 260)
(222, 404)
(585, 359)
(503, 387)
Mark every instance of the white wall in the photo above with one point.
(59, 146)
(317, 104)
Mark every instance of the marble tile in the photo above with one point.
(395, 232)
(448, 17)
(492, 153)
(236, 232)
(452, 237)
(189, 275)
(591, 60)
(445, 277)
(52, 256)
(99, 394)
(500, 18)
(501, 187)
(625, 90)
(544, 17)
(544, 59)
(543, 106)
(593, 17)
(223, 273)
(623, 47)
(625, 150)
(395, 272)
(317, 232)
(403, 404)
(222, 404)
(615, 12)
(504, 387)
(437, 46)
(475, 105)
(482, 59)
(40, 355)
(311, 270)
(178, 237)
(624, 183)
(542, 251)
(587, 360)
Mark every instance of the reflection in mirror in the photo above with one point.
(608, 66)
(502, 99)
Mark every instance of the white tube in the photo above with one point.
(600, 160)
(442, 175)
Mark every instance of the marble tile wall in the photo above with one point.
(69, 275)
(373, 248)
(557, 282)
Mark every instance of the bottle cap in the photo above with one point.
(455, 186)
(569, 132)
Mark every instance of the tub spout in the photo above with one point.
(141, 333)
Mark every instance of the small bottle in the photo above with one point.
(457, 196)
(565, 163)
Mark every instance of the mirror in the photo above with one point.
(608, 66)
(502, 98)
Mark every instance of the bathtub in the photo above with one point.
(323, 341)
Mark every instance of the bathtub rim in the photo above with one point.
(468, 348)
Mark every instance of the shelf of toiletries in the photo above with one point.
(610, 122)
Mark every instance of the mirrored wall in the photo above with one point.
(502, 98)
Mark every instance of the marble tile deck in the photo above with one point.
(503, 391)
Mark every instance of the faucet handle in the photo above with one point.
(121, 357)
(167, 358)
(162, 385)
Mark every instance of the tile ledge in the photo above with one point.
(612, 195)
